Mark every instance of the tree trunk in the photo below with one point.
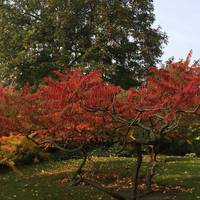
(75, 180)
(152, 168)
(138, 148)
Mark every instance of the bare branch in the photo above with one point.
(143, 126)
(190, 111)
(65, 149)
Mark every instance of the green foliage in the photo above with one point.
(104, 149)
(37, 37)
(175, 147)
(185, 140)
(181, 171)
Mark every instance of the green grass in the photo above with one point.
(182, 171)
(42, 181)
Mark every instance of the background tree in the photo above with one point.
(37, 37)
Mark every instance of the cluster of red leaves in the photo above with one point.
(59, 108)
(82, 107)
(167, 92)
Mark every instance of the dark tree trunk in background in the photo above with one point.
(138, 148)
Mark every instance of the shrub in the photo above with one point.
(17, 149)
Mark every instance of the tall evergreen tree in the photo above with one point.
(39, 36)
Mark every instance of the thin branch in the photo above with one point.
(151, 109)
(190, 111)
(65, 149)
(143, 126)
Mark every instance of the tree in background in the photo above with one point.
(37, 37)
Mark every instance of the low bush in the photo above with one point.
(17, 149)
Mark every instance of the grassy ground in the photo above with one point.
(48, 181)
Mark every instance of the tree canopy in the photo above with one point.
(37, 37)
(78, 108)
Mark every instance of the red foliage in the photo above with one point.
(59, 108)
(81, 107)
(168, 91)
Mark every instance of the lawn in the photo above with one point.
(49, 180)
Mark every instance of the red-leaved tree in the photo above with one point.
(156, 108)
(79, 108)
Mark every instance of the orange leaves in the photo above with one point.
(9, 143)
(83, 127)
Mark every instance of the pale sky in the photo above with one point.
(180, 19)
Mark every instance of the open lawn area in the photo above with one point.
(50, 180)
